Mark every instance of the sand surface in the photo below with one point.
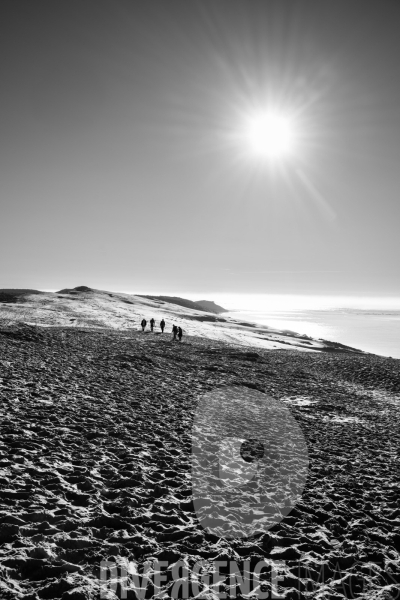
(95, 455)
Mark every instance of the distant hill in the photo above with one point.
(203, 305)
(210, 306)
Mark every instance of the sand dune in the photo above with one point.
(96, 436)
(84, 307)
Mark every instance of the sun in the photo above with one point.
(270, 135)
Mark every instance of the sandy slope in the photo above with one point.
(95, 454)
(123, 311)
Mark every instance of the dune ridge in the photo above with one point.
(86, 307)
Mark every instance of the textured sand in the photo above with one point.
(95, 454)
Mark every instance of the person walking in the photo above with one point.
(174, 331)
(143, 324)
(180, 333)
(162, 325)
(152, 323)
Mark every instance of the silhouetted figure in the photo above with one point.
(162, 325)
(143, 324)
(152, 323)
(174, 331)
(180, 333)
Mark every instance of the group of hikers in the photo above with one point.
(176, 331)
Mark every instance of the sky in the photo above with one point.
(125, 162)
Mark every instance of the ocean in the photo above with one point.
(369, 324)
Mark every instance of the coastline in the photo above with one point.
(375, 332)
(85, 307)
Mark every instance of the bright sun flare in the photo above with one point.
(270, 135)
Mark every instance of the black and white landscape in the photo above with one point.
(228, 169)
(96, 429)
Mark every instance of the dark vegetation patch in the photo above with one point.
(203, 306)
(79, 288)
(11, 296)
(336, 347)
(206, 318)
(210, 306)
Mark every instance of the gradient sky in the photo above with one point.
(122, 158)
